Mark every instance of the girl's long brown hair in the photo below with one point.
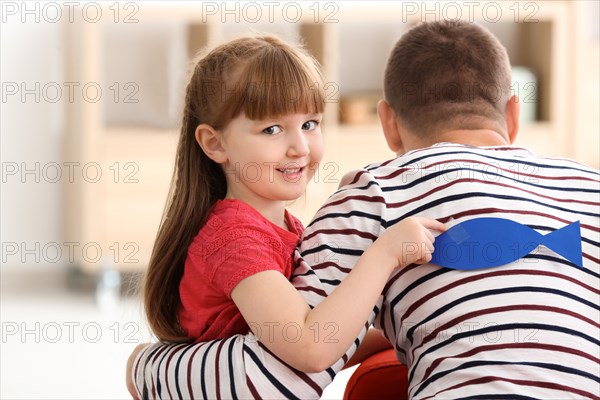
(260, 76)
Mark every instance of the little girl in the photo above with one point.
(249, 144)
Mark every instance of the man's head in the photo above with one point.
(449, 76)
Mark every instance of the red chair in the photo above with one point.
(381, 376)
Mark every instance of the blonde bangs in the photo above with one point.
(276, 82)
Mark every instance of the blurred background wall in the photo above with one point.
(91, 97)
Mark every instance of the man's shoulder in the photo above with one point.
(444, 156)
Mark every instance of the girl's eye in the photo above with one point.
(272, 130)
(310, 125)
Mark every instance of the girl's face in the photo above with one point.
(271, 160)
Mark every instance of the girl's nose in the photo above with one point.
(298, 144)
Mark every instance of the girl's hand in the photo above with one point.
(410, 240)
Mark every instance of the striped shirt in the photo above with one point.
(529, 329)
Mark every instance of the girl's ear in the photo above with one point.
(210, 141)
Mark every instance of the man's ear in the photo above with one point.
(389, 124)
(210, 140)
(513, 110)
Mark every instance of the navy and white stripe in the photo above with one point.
(529, 329)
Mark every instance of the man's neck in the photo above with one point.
(471, 137)
(474, 137)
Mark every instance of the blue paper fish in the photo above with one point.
(490, 242)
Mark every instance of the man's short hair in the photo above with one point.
(447, 75)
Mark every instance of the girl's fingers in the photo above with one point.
(429, 235)
(424, 260)
(432, 224)
(430, 247)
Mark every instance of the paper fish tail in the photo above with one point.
(566, 241)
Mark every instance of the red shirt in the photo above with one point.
(235, 242)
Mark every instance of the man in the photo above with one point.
(525, 329)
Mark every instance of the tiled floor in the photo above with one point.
(57, 343)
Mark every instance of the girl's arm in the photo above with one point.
(312, 340)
